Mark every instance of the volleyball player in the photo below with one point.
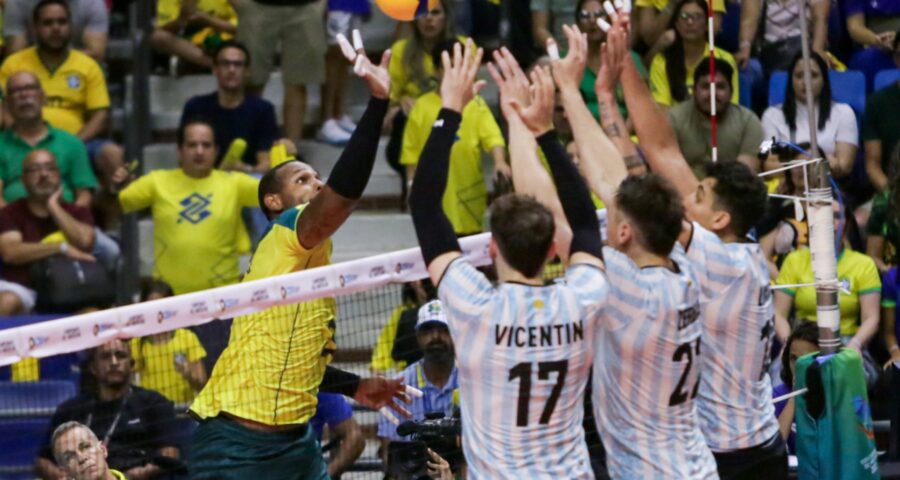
(734, 395)
(647, 347)
(255, 408)
(524, 349)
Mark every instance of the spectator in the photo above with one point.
(587, 12)
(412, 73)
(779, 38)
(90, 26)
(77, 100)
(857, 273)
(465, 198)
(836, 130)
(435, 375)
(198, 231)
(133, 423)
(672, 72)
(343, 17)
(873, 25)
(739, 132)
(80, 454)
(28, 132)
(393, 350)
(344, 433)
(883, 228)
(881, 130)
(188, 29)
(802, 341)
(170, 362)
(233, 113)
(25, 223)
(547, 19)
(654, 20)
(297, 25)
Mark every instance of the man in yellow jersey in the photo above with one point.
(255, 409)
(198, 231)
(81, 454)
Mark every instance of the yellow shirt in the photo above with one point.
(659, 82)
(198, 231)
(718, 5)
(273, 365)
(465, 198)
(402, 83)
(156, 364)
(382, 358)
(167, 11)
(856, 271)
(72, 90)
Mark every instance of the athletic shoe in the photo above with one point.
(347, 123)
(332, 133)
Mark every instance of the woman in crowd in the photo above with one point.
(883, 228)
(672, 72)
(802, 341)
(837, 130)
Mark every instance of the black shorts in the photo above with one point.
(768, 460)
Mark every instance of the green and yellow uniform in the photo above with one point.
(856, 272)
(465, 198)
(72, 90)
(659, 81)
(198, 232)
(155, 362)
(275, 360)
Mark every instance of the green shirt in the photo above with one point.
(74, 167)
(739, 133)
(882, 122)
(883, 223)
(590, 95)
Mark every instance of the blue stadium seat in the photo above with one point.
(886, 77)
(744, 96)
(846, 87)
(20, 443)
(30, 399)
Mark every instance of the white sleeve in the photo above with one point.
(847, 130)
(773, 123)
(590, 286)
(712, 262)
(464, 291)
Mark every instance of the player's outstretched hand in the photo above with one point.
(532, 102)
(616, 50)
(458, 86)
(376, 76)
(378, 393)
(568, 71)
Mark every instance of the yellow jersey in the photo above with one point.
(198, 232)
(402, 83)
(273, 365)
(718, 5)
(659, 81)
(856, 272)
(465, 198)
(167, 11)
(72, 90)
(382, 355)
(155, 362)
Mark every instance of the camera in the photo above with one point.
(778, 148)
(437, 432)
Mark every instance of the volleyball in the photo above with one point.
(405, 10)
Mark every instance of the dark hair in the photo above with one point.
(789, 108)
(676, 72)
(740, 193)
(654, 208)
(439, 48)
(36, 12)
(722, 67)
(269, 184)
(231, 44)
(523, 229)
(807, 331)
(152, 285)
(198, 120)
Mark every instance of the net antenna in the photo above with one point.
(711, 31)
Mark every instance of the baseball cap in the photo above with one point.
(431, 312)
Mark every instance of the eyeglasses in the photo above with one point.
(590, 14)
(231, 63)
(691, 17)
(40, 168)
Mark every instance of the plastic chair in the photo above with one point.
(886, 77)
(20, 443)
(30, 399)
(846, 87)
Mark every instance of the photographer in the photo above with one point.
(435, 375)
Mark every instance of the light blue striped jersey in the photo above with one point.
(735, 400)
(524, 355)
(433, 399)
(646, 369)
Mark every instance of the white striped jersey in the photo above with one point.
(735, 400)
(524, 355)
(646, 370)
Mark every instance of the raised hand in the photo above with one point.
(616, 50)
(531, 103)
(458, 86)
(376, 76)
(568, 71)
(379, 393)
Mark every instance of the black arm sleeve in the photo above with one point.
(352, 171)
(574, 196)
(339, 381)
(433, 228)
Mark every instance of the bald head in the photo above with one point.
(25, 97)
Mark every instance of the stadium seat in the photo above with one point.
(886, 77)
(847, 87)
(29, 399)
(20, 443)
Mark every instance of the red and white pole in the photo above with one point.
(712, 79)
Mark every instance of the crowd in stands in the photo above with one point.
(65, 181)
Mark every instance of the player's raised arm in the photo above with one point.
(654, 131)
(602, 166)
(350, 175)
(433, 229)
(529, 113)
